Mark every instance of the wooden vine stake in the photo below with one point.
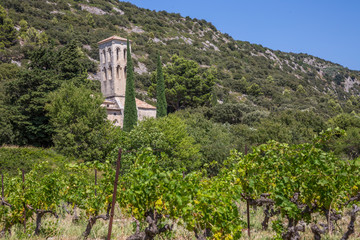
(95, 180)
(247, 205)
(248, 216)
(23, 179)
(114, 194)
(2, 186)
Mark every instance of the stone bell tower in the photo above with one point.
(112, 53)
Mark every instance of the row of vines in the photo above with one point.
(296, 183)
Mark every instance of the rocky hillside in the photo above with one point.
(246, 72)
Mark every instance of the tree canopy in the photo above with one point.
(130, 110)
(7, 30)
(185, 84)
(80, 124)
(26, 95)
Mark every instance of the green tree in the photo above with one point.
(170, 140)
(228, 112)
(300, 90)
(290, 126)
(26, 95)
(7, 74)
(345, 121)
(23, 28)
(347, 145)
(7, 135)
(26, 98)
(161, 104)
(270, 79)
(90, 20)
(240, 85)
(80, 125)
(185, 85)
(71, 61)
(254, 89)
(7, 30)
(130, 111)
(34, 37)
(214, 139)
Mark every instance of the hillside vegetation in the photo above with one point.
(253, 93)
(267, 78)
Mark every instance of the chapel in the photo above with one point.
(113, 61)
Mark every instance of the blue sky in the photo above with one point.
(326, 29)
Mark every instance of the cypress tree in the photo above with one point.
(161, 104)
(130, 111)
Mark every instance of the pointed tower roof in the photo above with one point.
(112, 38)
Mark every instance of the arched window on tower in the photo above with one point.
(104, 74)
(125, 72)
(104, 56)
(110, 73)
(124, 53)
(117, 53)
(118, 72)
(109, 52)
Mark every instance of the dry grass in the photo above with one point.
(64, 229)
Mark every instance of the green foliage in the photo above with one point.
(170, 141)
(26, 96)
(23, 28)
(297, 177)
(185, 86)
(6, 130)
(291, 126)
(90, 20)
(82, 191)
(44, 191)
(239, 85)
(215, 140)
(130, 110)
(14, 158)
(203, 204)
(34, 37)
(7, 74)
(161, 105)
(148, 187)
(254, 89)
(71, 61)
(41, 193)
(347, 145)
(7, 30)
(80, 125)
(345, 121)
(232, 113)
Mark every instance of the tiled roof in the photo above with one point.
(113, 38)
(108, 102)
(142, 104)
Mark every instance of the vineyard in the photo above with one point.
(297, 188)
